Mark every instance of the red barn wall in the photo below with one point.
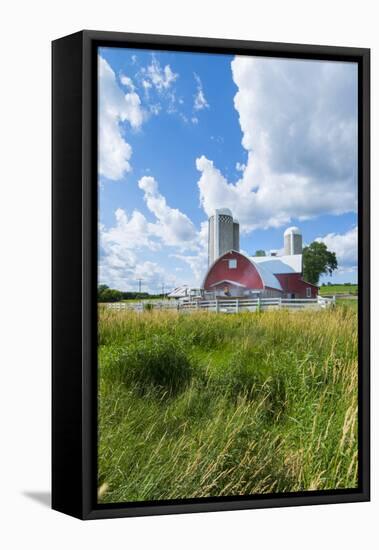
(292, 283)
(245, 273)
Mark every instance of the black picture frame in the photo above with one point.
(74, 272)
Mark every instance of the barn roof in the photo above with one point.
(268, 278)
(280, 264)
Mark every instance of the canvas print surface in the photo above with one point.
(227, 275)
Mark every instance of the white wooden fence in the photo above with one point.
(228, 306)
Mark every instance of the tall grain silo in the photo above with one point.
(223, 234)
(293, 241)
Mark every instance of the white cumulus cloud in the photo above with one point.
(123, 271)
(115, 108)
(129, 233)
(121, 245)
(345, 246)
(299, 128)
(172, 226)
(197, 262)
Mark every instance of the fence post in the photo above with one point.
(258, 303)
(217, 307)
(237, 306)
(280, 302)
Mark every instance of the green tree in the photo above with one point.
(102, 288)
(317, 260)
(106, 294)
(260, 253)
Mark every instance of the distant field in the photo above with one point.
(338, 289)
(202, 404)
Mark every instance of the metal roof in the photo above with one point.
(280, 264)
(179, 292)
(268, 278)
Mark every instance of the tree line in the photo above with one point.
(106, 294)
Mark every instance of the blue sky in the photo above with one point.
(181, 134)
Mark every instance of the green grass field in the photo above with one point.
(202, 404)
(334, 290)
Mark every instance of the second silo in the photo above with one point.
(293, 241)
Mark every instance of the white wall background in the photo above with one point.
(27, 29)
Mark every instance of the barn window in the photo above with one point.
(232, 264)
(308, 292)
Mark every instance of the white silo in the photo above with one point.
(223, 234)
(293, 241)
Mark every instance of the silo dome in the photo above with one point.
(224, 212)
(292, 231)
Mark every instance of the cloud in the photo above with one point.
(123, 271)
(129, 233)
(121, 246)
(147, 85)
(199, 99)
(197, 262)
(240, 166)
(157, 82)
(172, 226)
(299, 128)
(344, 245)
(155, 109)
(127, 81)
(160, 77)
(115, 108)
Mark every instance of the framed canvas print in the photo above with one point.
(210, 274)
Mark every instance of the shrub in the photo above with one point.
(158, 365)
(248, 374)
(238, 376)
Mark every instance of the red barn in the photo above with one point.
(234, 274)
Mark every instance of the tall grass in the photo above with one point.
(198, 405)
